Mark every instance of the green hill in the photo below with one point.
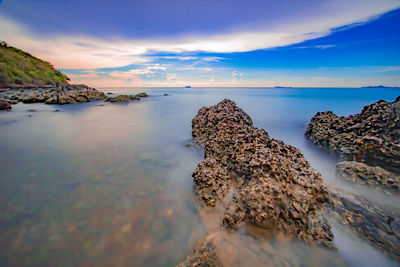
(20, 69)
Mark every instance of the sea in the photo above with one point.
(109, 184)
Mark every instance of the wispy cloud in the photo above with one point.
(388, 68)
(237, 75)
(86, 52)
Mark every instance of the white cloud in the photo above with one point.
(84, 52)
(237, 75)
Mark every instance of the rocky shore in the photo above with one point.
(63, 94)
(273, 186)
(368, 143)
(368, 146)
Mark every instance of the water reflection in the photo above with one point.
(110, 184)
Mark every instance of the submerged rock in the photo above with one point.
(143, 94)
(120, 98)
(371, 137)
(126, 98)
(276, 186)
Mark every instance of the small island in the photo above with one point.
(378, 87)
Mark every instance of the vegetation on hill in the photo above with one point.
(20, 69)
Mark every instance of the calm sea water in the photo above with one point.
(101, 184)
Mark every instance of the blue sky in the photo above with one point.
(211, 43)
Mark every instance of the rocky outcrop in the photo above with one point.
(276, 187)
(204, 255)
(380, 228)
(126, 98)
(120, 98)
(365, 174)
(4, 105)
(371, 137)
(65, 94)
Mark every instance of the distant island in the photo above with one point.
(188, 86)
(379, 86)
(283, 87)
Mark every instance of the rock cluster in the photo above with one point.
(65, 94)
(276, 187)
(371, 137)
(126, 98)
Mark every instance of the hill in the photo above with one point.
(21, 69)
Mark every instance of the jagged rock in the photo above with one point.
(4, 105)
(204, 255)
(365, 174)
(371, 137)
(276, 185)
(380, 228)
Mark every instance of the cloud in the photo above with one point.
(86, 52)
(388, 68)
(237, 75)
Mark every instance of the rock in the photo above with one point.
(65, 94)
(4, 105)
(204, 255)
(134, 97)
(365, 174)
(371, 222)
(165, 94)
(120, 98)
(142, 95)
(371, 137)
(276, 187)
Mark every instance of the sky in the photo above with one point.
(162, 43)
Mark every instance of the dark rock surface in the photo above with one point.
(380, 227)
(371, 137)
(5, 105)
(276, 187)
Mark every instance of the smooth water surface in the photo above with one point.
(101, 184)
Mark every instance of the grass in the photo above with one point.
(18, 67)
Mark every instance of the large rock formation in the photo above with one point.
(371, 137)
(276, 187)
